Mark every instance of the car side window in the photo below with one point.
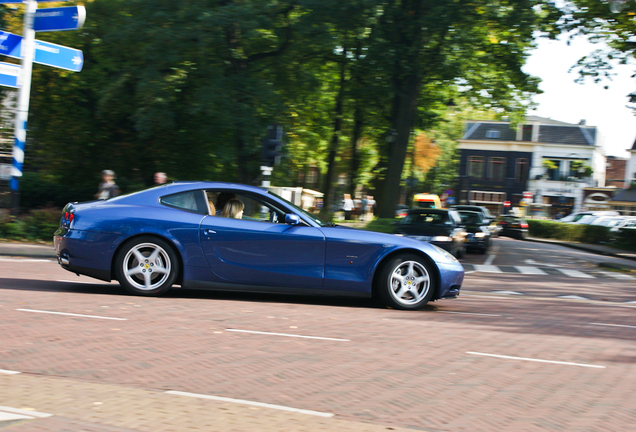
(255, 207)
(192, 201)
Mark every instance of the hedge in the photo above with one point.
(582, 233)
(36, 225)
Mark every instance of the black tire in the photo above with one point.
(406, 282)
(146, 266)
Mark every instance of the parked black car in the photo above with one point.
(489, 219)
(441, 227)
(478, 238)
(513, 226)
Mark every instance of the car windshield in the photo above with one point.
(470, 217)
(425, 219)
(304, 213)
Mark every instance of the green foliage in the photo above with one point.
(581, 233)
(626, 238)
(381, 225)
(37, 225)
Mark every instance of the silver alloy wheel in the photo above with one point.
(409, 283)
(146, 266)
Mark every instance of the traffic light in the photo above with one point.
(272, 145)
(271, 152)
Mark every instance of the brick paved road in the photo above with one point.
(380, 369)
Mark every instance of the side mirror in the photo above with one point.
(292, 219)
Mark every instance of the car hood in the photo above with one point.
(391, 242)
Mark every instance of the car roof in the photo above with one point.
(428, 210)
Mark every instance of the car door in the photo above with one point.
(260, 249)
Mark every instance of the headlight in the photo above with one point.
(441, 239)
(446, 254)
(481, 234)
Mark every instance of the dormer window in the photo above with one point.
(493, 134)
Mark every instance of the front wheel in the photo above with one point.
(406, 282)
(146, 266)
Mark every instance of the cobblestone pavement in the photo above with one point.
(482, 362)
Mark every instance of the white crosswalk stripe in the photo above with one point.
(487, 268)
(530, 270)
(575, 273)
(533, 270)
(616, 275)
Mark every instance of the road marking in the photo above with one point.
(25, 260)
(530, 261)
(616, 275)
(24, 412)
(72, 314)
(246, 402)
(288, 335)
(487, 268)
(573, 297)
(535, 360)
(530, 270)
(8, 372)
(507, 292)
(467, 313)
(490, 259)
(613, 325)
(575, 273)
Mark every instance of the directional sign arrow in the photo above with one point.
(46, 53)
(62, 18)
(9, 74)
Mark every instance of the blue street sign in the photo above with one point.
(10, 44)
(62, 18)
(46, 53)
(58, 56)
(9, 74)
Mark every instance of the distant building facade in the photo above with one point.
(615, 172)
(551, 160)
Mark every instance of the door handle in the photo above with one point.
(208, 231)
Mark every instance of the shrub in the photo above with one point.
(626, 238)
(381, 225)
(581, 233)
(36, 225)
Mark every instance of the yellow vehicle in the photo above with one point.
(425, 200)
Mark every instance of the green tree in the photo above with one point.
(595, 20)
(478, 47)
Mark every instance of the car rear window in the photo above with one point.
(425, 219)
(192, 201)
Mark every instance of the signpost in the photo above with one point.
(29, 50)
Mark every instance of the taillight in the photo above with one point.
(523, 225)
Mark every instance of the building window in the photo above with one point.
(497, 168)
(476, 166)
(521, 170)
(526, 133)
(493, 134)
(553, 167)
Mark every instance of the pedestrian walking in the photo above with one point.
(107, 188)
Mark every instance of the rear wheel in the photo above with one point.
(406, 282)
(146, 266)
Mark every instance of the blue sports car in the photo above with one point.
(242, 238)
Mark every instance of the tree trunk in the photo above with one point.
(403, 118)
(327, 188)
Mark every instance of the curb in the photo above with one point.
(599, 250)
